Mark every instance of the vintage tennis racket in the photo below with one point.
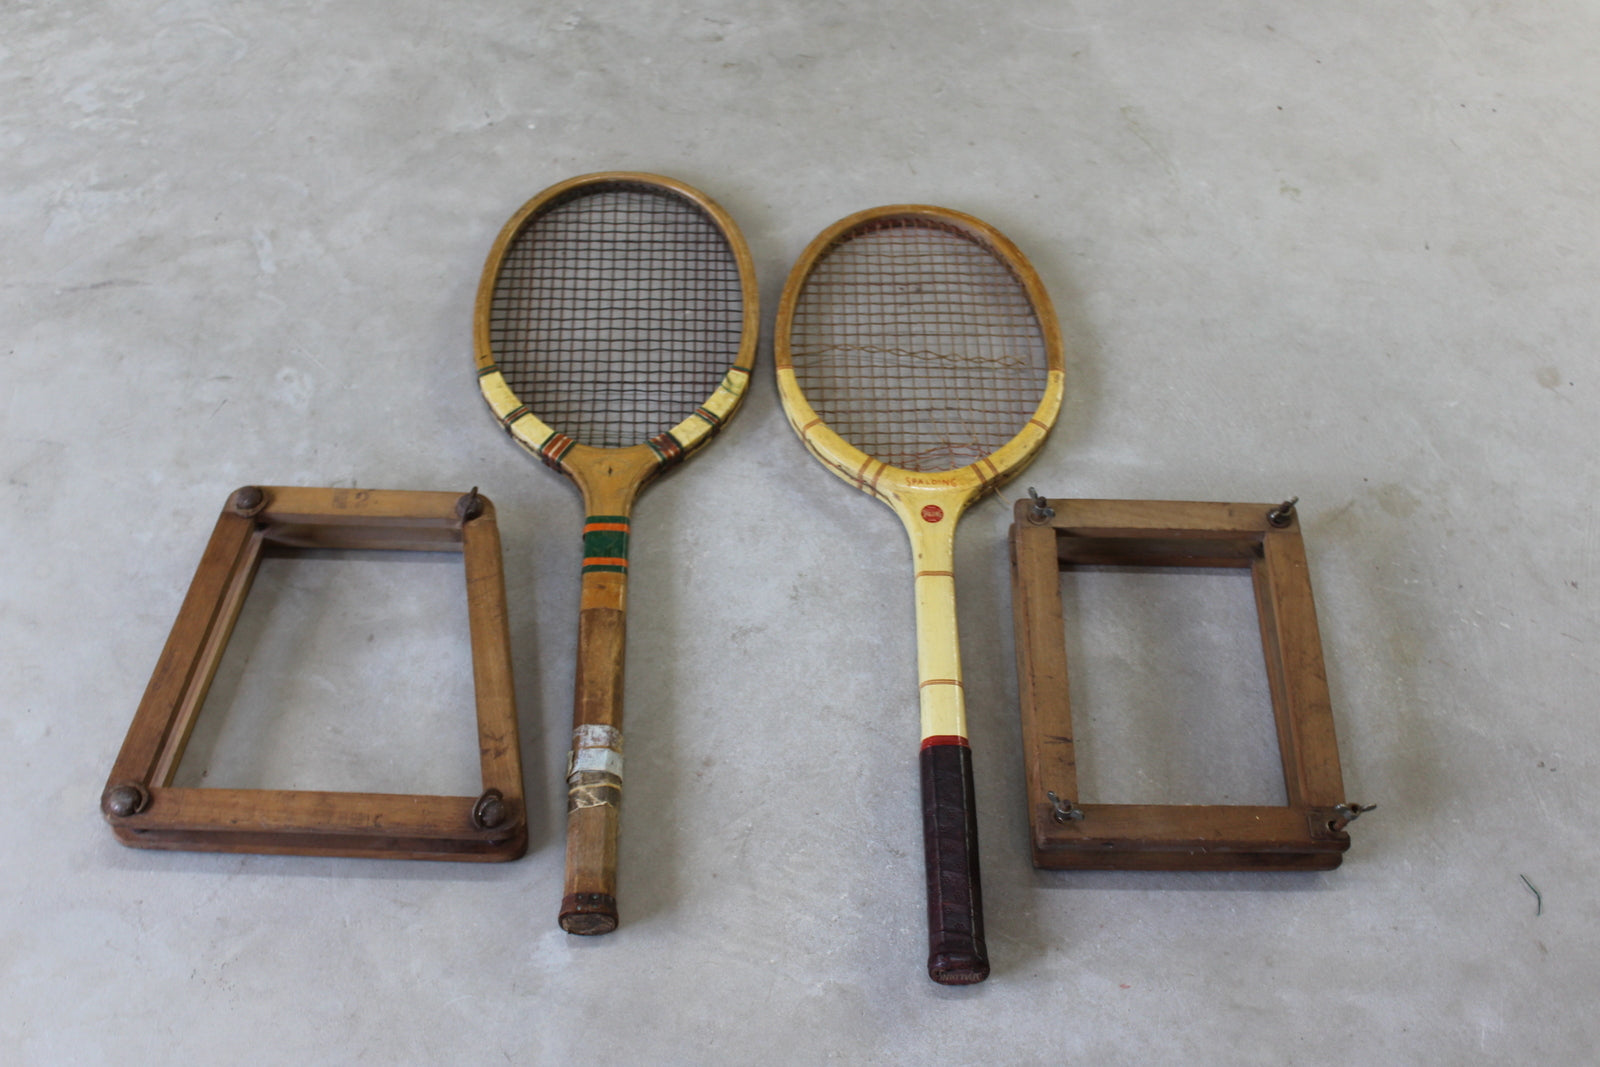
(919, 359)
(616, 326)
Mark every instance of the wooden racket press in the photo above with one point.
(1306, 834)
(146, 811)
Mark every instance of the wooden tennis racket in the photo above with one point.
(919, 359)
(616, 326)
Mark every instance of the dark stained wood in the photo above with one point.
(1196, 827)
(322, 823)
(377, 847)
(308, 811)
(1298, 836)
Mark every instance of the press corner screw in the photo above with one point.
(249, 500)
(123, 800)
(489, 811)
(1347, 813)
(470, 506)
(1283, 514)
(1041, 512)
(1066, 810)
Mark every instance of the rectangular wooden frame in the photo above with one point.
(146, 811)
(1307, 833)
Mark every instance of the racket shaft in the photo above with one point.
(594, 772)
(956, 951)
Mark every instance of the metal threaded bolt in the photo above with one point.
(1040, 511)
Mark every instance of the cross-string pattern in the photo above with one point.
(616, 312)
(918, 345)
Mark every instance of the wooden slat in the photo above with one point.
(1293, 646)
(306, 812)
(1164, 837)
(291, 505)
(499, 747)
(1074, 549)
(1049, 758)
(1186, 860)
(153, 722)
(488, 850)
(1224, 827)
(1158, 518)
(361, 536)
(241, 575)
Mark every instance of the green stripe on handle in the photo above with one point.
(605, 544)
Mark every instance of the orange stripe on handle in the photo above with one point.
(945, 739)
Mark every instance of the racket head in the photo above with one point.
(617, 311)
(918, 354)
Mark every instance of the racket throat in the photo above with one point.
(930, 521)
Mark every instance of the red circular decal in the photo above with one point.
(932, 513)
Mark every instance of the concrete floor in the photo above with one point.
(1347, 251)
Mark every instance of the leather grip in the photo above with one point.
(956, 952)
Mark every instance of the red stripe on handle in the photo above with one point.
(956, 951)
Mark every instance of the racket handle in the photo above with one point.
(594, 775)
(589, 902)
(956, 952)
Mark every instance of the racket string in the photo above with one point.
(918, 345)
(616, 313)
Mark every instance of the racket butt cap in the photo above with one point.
(956, 966)
(589, 913)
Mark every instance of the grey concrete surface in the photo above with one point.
(1348, 251)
